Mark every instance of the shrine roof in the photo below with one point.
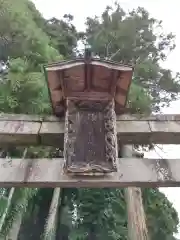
(88, 79)
(94, 61)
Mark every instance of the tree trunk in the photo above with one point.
(7, 208)
(64, 218)
(13, 235)
(137, 229)
(51, 225)
(33, 227)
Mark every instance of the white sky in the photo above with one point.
(167, 11)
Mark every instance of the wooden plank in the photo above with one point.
(123, 117)
(90, 142)
(49, 130)
(132, 172)
(16, 132)
(21, 117)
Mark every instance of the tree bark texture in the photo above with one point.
(51, 225)
(14, 232)
(137, 229)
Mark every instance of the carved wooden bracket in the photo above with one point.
(87, 93)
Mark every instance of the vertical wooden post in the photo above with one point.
(137, 229)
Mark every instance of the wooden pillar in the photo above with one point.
(90, 144)
(137, 229)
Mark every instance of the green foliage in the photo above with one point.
(139, 100)
(18, 206)
(24, 90)
(3, 204)
(136, 38)
(101, 213)
(63, 34)
(104, 211)
(162, 222)
(23, 36)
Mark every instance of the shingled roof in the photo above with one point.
(92, 79)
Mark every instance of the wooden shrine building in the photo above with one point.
(89, 92)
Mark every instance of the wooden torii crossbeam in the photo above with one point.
(131, 172)
(24, 130)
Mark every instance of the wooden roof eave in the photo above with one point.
(96, 62)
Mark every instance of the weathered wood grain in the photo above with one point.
(137, 227)
(87, 79)
(49, 173)
(49, 130)
(16, 132)
(90, 142)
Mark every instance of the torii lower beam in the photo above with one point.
(49, 173)
(37, 130)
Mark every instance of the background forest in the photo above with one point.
(27, 41)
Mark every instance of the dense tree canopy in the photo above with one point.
(28, 41)
(63, 35)
(137, 39)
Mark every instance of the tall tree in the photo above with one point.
(63, 34)
(21, 35)
(136, 38)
